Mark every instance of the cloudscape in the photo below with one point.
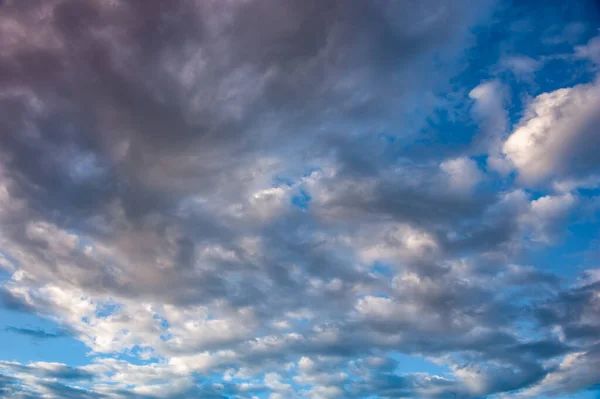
(299, 199)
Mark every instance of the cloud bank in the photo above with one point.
(233, 199)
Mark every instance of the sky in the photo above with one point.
(299, 199)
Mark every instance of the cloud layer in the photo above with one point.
(231, 199)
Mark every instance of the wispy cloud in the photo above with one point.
(36, 333)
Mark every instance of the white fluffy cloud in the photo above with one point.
(558, 136)
(463, 173)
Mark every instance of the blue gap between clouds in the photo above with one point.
(301, 200)
(25, 348)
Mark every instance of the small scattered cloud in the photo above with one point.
(36, 333)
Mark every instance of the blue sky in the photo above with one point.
(300, 199)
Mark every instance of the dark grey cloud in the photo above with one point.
(572, 310)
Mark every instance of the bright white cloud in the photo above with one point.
(557, 136)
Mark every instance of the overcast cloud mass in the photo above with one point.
(299, 199)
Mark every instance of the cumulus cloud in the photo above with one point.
(557, 137)
(463, 173)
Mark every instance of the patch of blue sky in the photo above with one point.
(301, 200)
(537, 29)
(407, 364)
(107, 309)
(589, 192)
(24, 348)
(383, 269)
(292, 178)
(164, 323)
(137, 356)
(498, 42)
(570, 254)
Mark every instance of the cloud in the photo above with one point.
(589, 50)
(569, 313)
(463, 173)
(34, 333)
(556, 138)
(151, 159)
(523, 67)
(489, 110)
